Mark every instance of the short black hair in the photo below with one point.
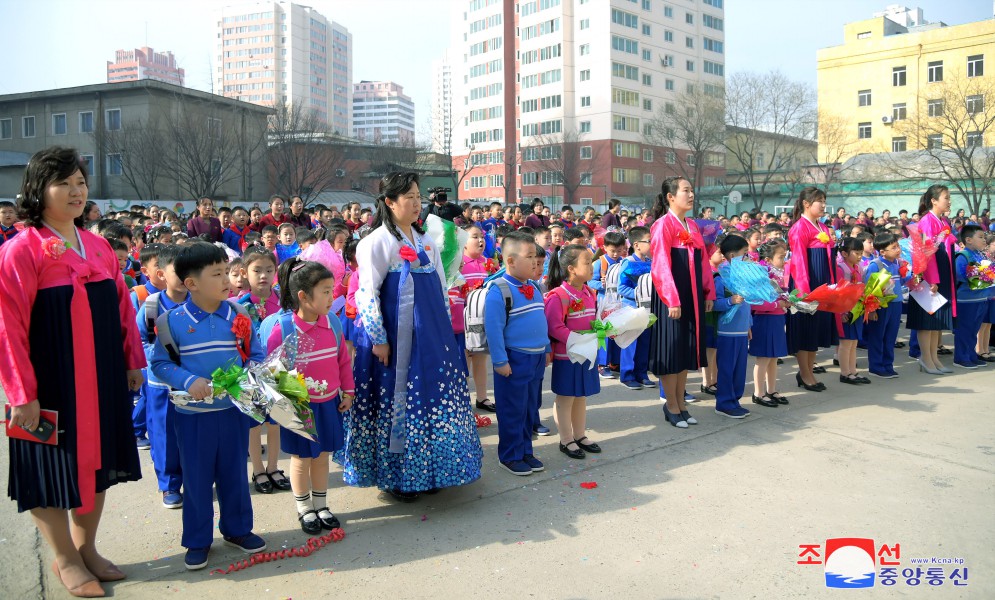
(194, 258)
(149, 253)
(883, 240)
(45, 167)
(968, 231)
(732, 243)
(539, 230)
(9, 204)
(117, 245)
(305, 235)
(614, 238)
(513, 240)
(168, 254)
(574, 233)
(269, 229)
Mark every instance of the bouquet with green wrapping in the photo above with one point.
(451, 240)
(284, 386)
(231, 383)
(876, 295)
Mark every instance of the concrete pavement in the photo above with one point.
(716, 511)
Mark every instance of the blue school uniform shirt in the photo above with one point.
(964, 292)
(283, 252)
(742, 318)
(595, 283)
(165, 305)
(205, 343)
(880, 264)
(628, 278)
(134, 297)
(523, 329)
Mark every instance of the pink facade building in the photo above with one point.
(144, 63)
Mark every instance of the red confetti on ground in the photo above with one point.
(315, 543)
(589, 485)
(483, 421)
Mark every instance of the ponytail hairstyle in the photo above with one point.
(256, 253)
(296, 275)
(349, 252)
(807, 196)
(392, 186)
(770, 248)
(564, 257)
(933, 192)
(670, 185)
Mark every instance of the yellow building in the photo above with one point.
(883, 89)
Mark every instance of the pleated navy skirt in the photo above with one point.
(942, 319)
(769, 338)
(44, 476)
(805, 332)
(572, 379)
(990, 313)
(853, 331)
(328, 424)
(678, 345)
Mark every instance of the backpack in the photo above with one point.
(644, 291)
(165, 335)
(610, 279)
(287, 328)
(151, 302)
(141, 292)
(473, 312)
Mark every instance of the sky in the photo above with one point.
(393, 40)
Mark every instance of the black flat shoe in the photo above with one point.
(310, 526)
(280, 483)
(862, 379)
(402, 496)
(765, 402)
(780, 361)
(709, 389)
(818, 387)
(592, 447)
(836, 363)
(328, 520)
(263, 485)
(944, 351)
(578, 453)
(485, 404)
(899, 344)
(818, 369)
(776, 398)
(851, 381)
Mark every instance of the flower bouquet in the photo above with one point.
(877, 294)
(451, 241)
(981, 275)
(798, 304)
(751, 281)
(285, 388)
(232, 384)
(322, 252)
(837, 297)
(922, 247)
(621, 323)
(709, 230)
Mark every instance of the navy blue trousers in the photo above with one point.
(515, 400)
(161, 415)
(636, 359)
(213, 446)
(731, 358)
(138, 416)
(880, 337)
(611, 355)
(966, 326)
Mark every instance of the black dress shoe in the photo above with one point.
(709, 389)
(591, 447)
(899, 344)
(776, 398)
(862, 379)
(818, 387)
(944, 351)
(818, 369)
(836, 363)
(310, 526)
(485, 405)
(328, 521)
(851, 381)
(780, 361)
(279, 483)
(402, 496)
(578, 453)
(262, 483)
(765, 402)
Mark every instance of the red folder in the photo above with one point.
(47, 431)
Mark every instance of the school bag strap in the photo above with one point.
(151, 314)
(604, 268)
(505, 288)
(141, 292)
(165, 333)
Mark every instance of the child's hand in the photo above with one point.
(674, 312)
(873, 316)
(749, 333)
(736, 299)
(345, 402)
(135, 380)
(503, 370)
(549, 358)
(784, 304)
(200, 389)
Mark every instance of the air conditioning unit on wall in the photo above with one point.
(887, 119)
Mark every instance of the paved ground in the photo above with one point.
(717, 511)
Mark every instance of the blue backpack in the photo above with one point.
(286, 320)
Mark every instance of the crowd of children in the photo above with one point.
(526, 293)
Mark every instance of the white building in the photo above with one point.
(274, 52)
(442, 98)
(584, 75)
(382, 113)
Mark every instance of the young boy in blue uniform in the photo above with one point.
(520, 351)
(881, 329)
(636, 356)
(213, 437)
(149, 259)
(972, 305)
(160, 412)
(732, 337)
(614, 243)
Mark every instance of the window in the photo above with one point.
(712, 22)
(585, 75)
(898, 112)
(625, 71)
(690, 65)
(623, 123)
(692, 160)
(585, 23)
(863, 131)
(974, 139)
(647, 155)
(585, 49)
(668, 12)
(88, 161)
(714, 68)
(646, 29)
(620, 17)
(712, 45)
(586, 152)
(898, 144)
(647, 104)
(626, 97)
(647, 180)
(585, 127)
(934, 108)
(626, 150)
(934, 71)
(863, 35)
(668, 36)
(669, 84)
(668, 60)
(975, 104)
(585, 179)
(86, 122)
(6, 129)
(670, 157)
(59, 124)
(647, 55)
(646, 5)
(689, 42)
(27, 127)
(112, 120)
(864, 98)
(626, 176)
(898, 76)
(668, 108)
(114, 164)
(585, 101)
(647, 79)
(624, 44)
(689, 18)
(715, 3)
(934, 141)
(976, 65)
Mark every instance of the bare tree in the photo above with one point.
(305, 158)
(509, 173)
(562, 160)
(693, 123)
(766, 114)
(837, 141)
(946, 135)
(141, 148)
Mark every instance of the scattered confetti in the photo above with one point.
(589, 485)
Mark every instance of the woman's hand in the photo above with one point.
(345, 402)
(135, 380)
(382, 352)
(25, 416)
(674, 312)
(934, 288)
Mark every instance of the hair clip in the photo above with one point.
(300, 265)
